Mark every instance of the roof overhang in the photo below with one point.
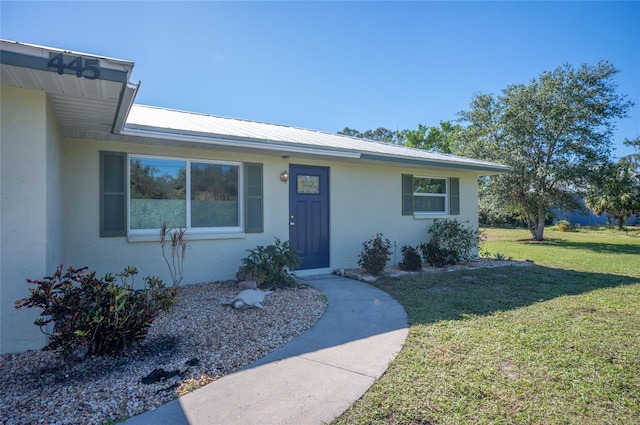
(236, 143)
(483, 169)
(89, 94)
(159, 136)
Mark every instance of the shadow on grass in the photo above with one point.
(430, 298)
(599, 247)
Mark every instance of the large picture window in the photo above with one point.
(214, 195)
(183, 193)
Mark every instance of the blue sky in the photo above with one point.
(328, 65)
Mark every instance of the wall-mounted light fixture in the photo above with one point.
(284, 176)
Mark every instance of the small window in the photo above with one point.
(308, 185)
(425, 196)
(429, 194)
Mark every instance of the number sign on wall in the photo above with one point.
(82, 67)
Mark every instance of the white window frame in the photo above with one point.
(433, 195)
(230, 232)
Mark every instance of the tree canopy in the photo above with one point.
(436, 139)
(615, 193)
(555, 133)
(441, 139)
(616, 189)
(634, 158)
(380, 134)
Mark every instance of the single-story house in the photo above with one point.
(87, 178)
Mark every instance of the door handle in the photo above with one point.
(291, 223)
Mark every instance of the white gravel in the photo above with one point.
(40, 388)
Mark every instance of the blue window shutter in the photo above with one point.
(113, 194)
(253, 198)
(407, 194)
(454, 196)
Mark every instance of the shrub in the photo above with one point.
(95, 316)
(272, 264)
(501, 257)
(177, 242)
(375, 254)
(437, 256)
(564, 226)
(411, 259)
(450, 243)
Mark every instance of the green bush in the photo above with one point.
(375, 254)
(450, 242)
(273, 265)
(437, 256)
(564, 226)
(96, 316)
(411, 259)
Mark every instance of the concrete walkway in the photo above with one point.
(311, 380)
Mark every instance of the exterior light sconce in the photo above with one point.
(284, 176)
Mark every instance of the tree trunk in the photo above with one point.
(620, 223)
(537, 230)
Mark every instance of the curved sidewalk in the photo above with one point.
(311, 380)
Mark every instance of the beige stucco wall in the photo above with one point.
(206, 260)
(54, 192)
(367, 199)
(49, 211)
(364, 200)
(30, 218)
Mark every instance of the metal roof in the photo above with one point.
(155, 122)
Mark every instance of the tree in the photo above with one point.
(350, 132)
(554, 133)
(616, 193)
(435, 139)
(634, 158)
(380, 134)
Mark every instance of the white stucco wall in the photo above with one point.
(49, 211)
(367, 199)
(206, 260)
(50, 201)
(54, 192)
(24, 173)
(364, 200)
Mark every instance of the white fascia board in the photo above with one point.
(127, 96)
(236, 143)
(481, 168)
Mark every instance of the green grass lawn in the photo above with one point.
(553, 343)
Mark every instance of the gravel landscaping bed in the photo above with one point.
(200, 340)
(395, 271)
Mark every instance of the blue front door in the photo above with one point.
(309, 214)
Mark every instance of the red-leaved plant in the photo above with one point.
(94, 316)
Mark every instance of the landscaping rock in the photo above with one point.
(248, 284)
(198, 337)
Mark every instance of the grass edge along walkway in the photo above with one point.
(513, 345)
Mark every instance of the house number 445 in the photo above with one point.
(82, 67)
